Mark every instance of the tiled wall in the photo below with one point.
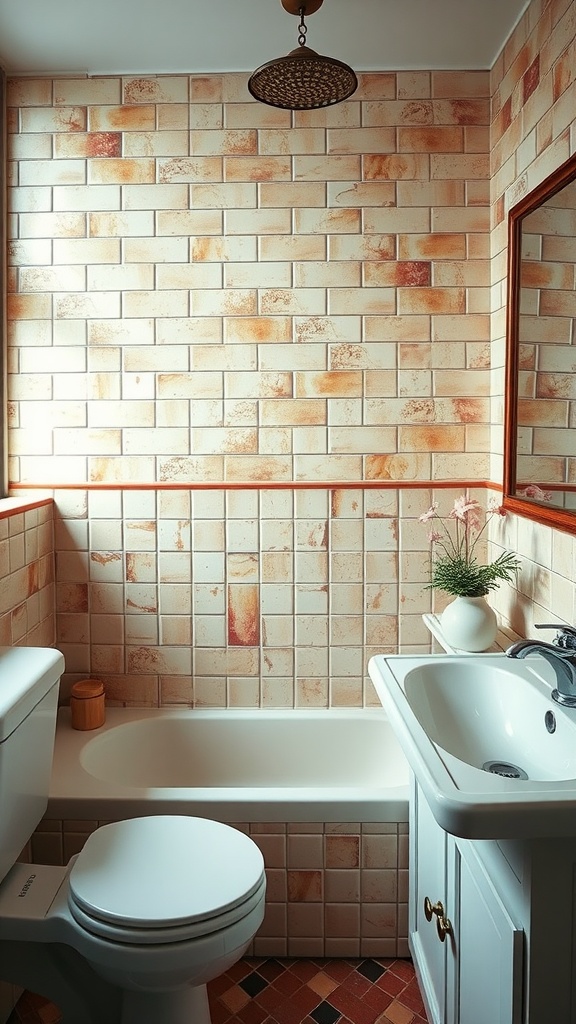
(203, 289)
(211, 290)
(533, 87)
(546, 380)
(27, 592)
(332, 889)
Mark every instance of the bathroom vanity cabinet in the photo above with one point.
(505, 910)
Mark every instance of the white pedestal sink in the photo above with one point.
(493, 753)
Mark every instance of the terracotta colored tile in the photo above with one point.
(322, 984)
(398, 1014)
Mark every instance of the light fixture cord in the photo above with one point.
(302, 27)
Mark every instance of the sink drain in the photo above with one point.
(505, 769)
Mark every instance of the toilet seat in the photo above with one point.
(164, 878)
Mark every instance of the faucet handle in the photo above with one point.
(565, 637)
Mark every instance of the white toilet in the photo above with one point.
(152, 908)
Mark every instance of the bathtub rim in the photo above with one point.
(77, 795)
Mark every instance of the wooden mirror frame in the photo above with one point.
(555, 516)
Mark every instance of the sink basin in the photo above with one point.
(494, 754)
(491, 719)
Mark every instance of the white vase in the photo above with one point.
(469, 624)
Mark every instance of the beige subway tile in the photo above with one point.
(133, 118)
(223, 250)
(224, 142)
(91, 144)
(361, 193)
(273, 141)
(363, 301)
(233, 302)
(293, 412)
(396, 167)
(153, 89)
(228, 196)
(256, 115)
(86, 91)
(182, 168)
(430, 194)
(155, 197)
(327, 274)
(124, 171)
(188, 222)
(431, 300)
(53, 119)
(155, 304)
(52, 172)
(293, 247)
(120, 224)
(394, 220)
(460, 84)
(466, 165)
(323, 222)
(91, 306)
(258, 222)
(296, 303)
(257, 168)
(188, 275)
(114, 333)
(105, 278)
(52, 225)
(86, 197)
(26, 92)
(258, 330)
(86, 250)
(327, 168)
(156, 144)
(292, 194)
(258, 275)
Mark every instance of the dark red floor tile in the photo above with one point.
(351, 1006)
(303, 969)
(287, 983)
(378, 998)
(338, 969)
(412, 998)
(391, 983)
(271, 969)
(402, 969)
(252, 1014)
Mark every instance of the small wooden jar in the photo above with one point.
(87, 705)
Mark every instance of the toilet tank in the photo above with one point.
(29, 681)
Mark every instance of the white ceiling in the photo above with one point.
(100, 37)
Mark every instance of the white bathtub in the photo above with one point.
(341, 765)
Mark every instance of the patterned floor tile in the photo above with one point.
(274, 991)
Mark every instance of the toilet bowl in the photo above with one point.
(144, 916)
(157, 906)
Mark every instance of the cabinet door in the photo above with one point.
(489, 949)
(427, 880)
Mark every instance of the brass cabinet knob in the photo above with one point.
(443, 925)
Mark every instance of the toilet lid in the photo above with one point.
(164, 871)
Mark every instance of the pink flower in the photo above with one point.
(495, 508)
(468, 511)
(435, 536)
(430, 514)
(533, 491)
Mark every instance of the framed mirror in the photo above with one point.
(540, 403)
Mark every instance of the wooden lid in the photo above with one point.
(87, 688)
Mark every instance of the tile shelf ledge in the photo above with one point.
(504, 637)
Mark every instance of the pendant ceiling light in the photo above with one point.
(304, 79)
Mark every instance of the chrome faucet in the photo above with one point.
(561, 655)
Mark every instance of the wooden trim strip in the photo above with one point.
(260, 485)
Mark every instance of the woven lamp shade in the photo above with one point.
(303, 80)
